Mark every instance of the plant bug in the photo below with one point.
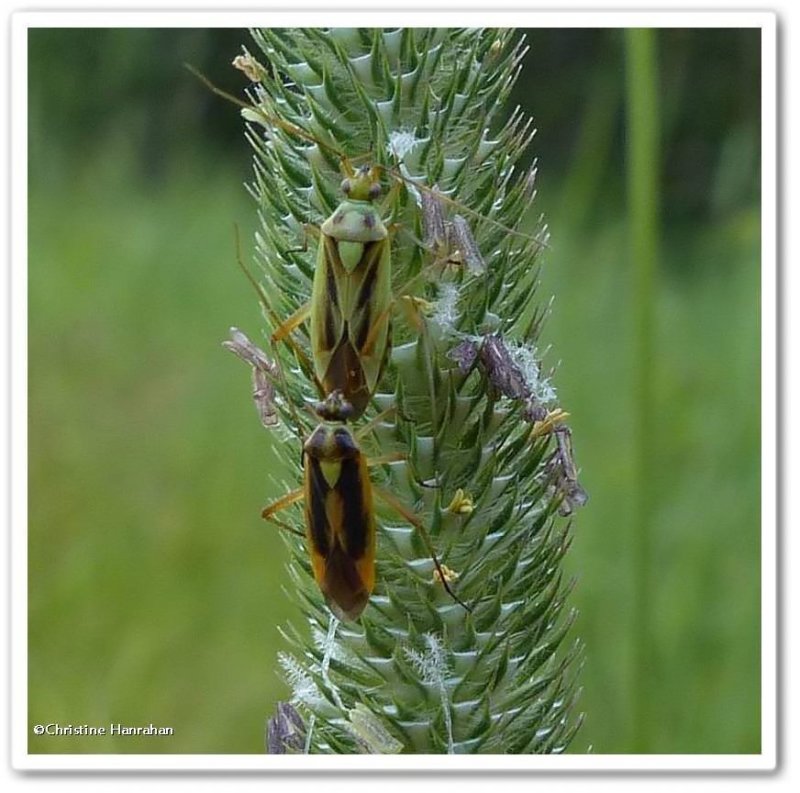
(351, 304)
(339, 512)
(351, 298)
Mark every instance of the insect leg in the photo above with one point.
(268, 513)
(283, 330)
(267, 119)
(389, 457)
(280, 331)
(373, 422)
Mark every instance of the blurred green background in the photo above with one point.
(155, 590)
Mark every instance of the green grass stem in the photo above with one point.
(642, 119)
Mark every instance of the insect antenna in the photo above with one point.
(395, 504)
(286, 126)
(303, 134)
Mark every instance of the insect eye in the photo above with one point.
(346, 186)
(374, 190)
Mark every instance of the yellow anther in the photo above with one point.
(461, 503)
(449, 576)
(548, 423)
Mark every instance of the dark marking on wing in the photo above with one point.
(355, 521)
(331, 309)
(346, 446)
(345, 373)
(363, 329)
(368, 285)
(334, 262)
(343, 585)
(320, 534)
(365, 296)
(330, 329)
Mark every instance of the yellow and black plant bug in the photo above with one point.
(339, 512)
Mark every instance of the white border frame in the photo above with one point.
(766, 760)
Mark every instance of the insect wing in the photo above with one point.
(340, 529)
(369, 327)
(350, 320)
